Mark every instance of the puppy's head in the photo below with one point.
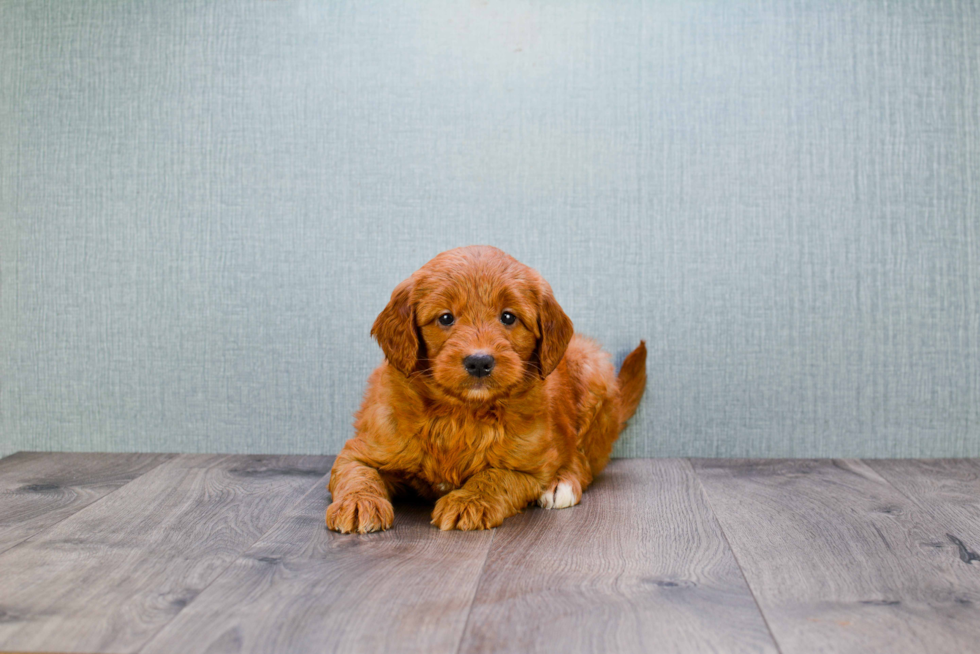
(474, 322)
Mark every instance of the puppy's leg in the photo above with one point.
(485, 500)
(361, 498)
(566, 489)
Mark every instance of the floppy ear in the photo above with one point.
(394, 328)
(556, 331)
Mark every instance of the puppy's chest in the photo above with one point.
(454, 449)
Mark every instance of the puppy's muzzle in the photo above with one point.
(478, 365)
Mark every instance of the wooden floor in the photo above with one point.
(211, 553)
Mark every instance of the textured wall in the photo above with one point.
(204, 205)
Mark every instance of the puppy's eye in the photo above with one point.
(508, 318)
(446, 319)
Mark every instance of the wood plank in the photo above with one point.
(840, 561)
(641, 565)
(40, 489)
(946, 489)
(112, 575)
(303, 588)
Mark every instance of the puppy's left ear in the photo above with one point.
(394, 328)
(555, 328)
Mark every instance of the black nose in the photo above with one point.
(478, 365)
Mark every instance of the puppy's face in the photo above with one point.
(475, 323)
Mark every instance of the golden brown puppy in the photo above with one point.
(487, 400)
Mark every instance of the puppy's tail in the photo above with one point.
(632, 381)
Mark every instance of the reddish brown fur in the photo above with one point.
(482, 448)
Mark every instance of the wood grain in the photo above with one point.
(110, 576)
(40, 489)
(840, 561)
(641, 565)
(213, 553)
(303, 588)
(948, 490)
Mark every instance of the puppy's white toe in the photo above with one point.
(561, 498)
(564, 496)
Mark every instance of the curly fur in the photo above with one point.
(539, 427)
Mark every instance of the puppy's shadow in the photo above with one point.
(411, 506)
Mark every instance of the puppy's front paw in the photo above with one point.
(360, 513)
(560, 495)
(464, 511)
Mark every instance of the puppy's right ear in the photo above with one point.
(394, 328)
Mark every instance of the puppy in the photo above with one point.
(487, 400)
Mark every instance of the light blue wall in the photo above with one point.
(204, 205)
